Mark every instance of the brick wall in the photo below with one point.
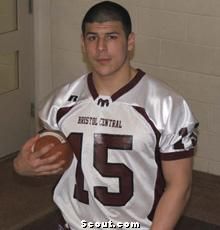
(177, 41)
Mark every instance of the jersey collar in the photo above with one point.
(121, 91)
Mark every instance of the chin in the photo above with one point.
(103, 72)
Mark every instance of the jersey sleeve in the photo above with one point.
(179, 136)
(48, 112)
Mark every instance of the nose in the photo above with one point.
(101, 45)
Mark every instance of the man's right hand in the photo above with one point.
(29, 163)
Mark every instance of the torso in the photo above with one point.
(116, 174)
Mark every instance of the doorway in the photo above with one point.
(16, 74)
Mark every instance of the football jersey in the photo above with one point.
(118, 142)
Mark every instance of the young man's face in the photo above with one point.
(106, 47)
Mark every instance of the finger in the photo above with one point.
(49, 159)
(53, 172)
(47, 164)
(50, 167)
(40, 153)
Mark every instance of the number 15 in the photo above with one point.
(103, 142)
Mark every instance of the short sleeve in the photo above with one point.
(48, 111)
(179, 136)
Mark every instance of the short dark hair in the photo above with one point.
(108, 11)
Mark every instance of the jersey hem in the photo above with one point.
(177, 155)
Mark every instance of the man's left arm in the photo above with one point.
(178, 178)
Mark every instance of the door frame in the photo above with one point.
(42, 52)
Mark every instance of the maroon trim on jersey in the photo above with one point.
(144, 114)
(129, 85)
(62, 111)
(160, 181)
(176, 155)
(121, 91)
(91, 86)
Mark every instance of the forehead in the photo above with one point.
(104, 27)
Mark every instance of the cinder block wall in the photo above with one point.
(177, 41)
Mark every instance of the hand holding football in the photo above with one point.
(60, 145)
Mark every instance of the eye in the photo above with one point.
(91, 37)
(112, 37)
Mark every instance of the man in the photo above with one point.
(133, 137)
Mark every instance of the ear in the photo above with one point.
(82, 43)
(131, 41)
(83, 48)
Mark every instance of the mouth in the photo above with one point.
(103, 60)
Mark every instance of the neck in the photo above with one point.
(108, 85)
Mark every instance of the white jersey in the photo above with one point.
(118, 142)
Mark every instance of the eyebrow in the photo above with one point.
(94, 33)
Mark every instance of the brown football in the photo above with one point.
(60, 145)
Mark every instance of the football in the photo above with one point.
(60, 145)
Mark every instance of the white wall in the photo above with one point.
(177, 41)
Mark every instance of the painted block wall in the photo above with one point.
(176, 41)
